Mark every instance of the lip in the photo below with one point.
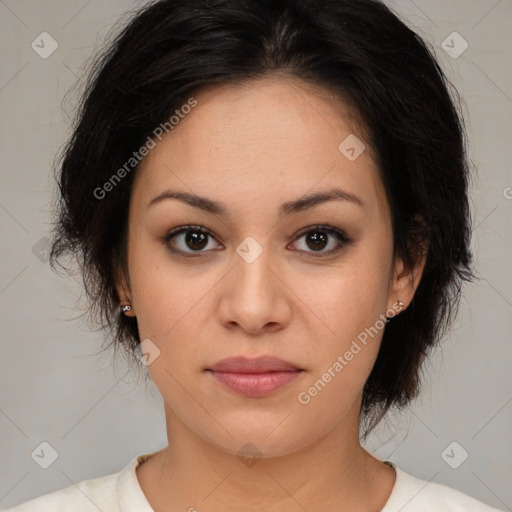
(256, 377)
(261, 364)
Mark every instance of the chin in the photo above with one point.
(259, 438)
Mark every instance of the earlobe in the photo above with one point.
(127, 309)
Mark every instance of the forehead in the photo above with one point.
(266, 138)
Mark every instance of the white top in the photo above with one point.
(121, 492)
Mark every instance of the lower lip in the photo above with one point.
(255, 384)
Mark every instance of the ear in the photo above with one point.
(405, 280)
(124, 291)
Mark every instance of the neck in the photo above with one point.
(334, 473)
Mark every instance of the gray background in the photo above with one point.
(97, 416)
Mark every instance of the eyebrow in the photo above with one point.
(298, 205)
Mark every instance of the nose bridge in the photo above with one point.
(253, 268)
(251, 297)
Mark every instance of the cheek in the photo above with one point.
(352, 308)
(349, 303)
(173, 305)
(348, 298)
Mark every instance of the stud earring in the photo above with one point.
(127, 310)
(397, 307)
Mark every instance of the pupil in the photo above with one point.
(318, 239)
(196, 240)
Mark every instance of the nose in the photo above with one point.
(254, 296)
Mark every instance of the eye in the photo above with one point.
(187, 240)
(194, 241)
(318, 237)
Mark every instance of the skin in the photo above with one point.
(253, 147)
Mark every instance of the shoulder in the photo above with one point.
(414, 494)
(87, 495)
(91, 495)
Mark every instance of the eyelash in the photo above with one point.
(340, 235)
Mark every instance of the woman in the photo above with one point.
(268, 202)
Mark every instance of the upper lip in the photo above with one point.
(262, 364)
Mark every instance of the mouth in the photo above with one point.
(258, 377)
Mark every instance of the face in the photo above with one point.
(255, 273)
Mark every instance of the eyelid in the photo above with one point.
(322, 227)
